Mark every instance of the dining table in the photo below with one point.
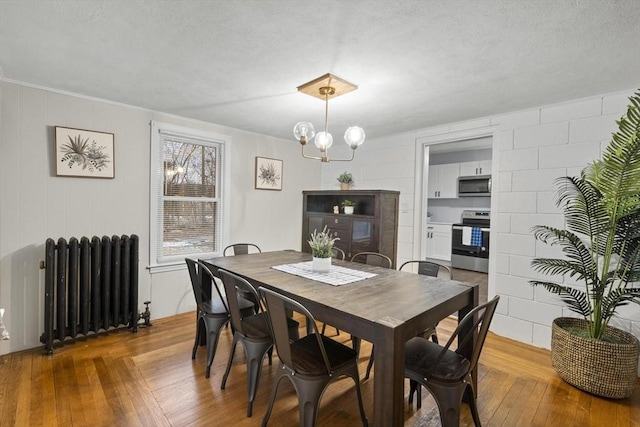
(386, 307)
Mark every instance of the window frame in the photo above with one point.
(159, 130)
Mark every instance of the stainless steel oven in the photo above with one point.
(470, 241)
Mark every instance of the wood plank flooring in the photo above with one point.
(149, 379)
(473, 277)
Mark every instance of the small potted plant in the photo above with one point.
(346, 180)
(322, 249)
(348, 206)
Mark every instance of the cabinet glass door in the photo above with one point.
(361, 236)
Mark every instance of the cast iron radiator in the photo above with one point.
(91, 287)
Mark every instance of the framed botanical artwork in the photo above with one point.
(84, 153)
(268, 174)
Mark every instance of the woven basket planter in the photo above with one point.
(601, 368)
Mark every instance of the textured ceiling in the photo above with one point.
(238, 63)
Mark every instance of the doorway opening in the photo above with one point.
(444, 159)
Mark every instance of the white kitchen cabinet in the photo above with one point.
(443, 180)
(438, 241)
(475, 168)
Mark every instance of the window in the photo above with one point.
(187, 189)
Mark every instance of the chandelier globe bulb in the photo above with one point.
(354, 136)
(323, 141)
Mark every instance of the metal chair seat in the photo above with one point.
(422, 355)
(447, 374)
(307, 356)
(217, 306)
(257, 326)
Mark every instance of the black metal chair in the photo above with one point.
(429, 268)
(447, 374)
(373, 258)
(379, 260)
(240, 249)
(252, 331)
(432, 269)
(337, 253)
(311, 363)
(211, 313)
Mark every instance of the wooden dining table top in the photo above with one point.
(392, 297)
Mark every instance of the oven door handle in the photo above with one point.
(460, 227)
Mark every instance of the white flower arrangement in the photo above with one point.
(322, 243)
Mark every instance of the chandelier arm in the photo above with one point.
(353, 155)
(309, 157)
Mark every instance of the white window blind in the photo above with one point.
(187, 194)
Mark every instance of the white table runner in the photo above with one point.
(336, 276)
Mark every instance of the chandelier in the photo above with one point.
(325, 88)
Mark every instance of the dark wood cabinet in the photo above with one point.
(372, 227)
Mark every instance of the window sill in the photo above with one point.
(163, 268)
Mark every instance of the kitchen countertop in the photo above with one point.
(439, 223)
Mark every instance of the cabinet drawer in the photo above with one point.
(341, 233)
(337, 222)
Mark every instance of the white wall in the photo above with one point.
(387, 164)
(35, 204)
(531, 149)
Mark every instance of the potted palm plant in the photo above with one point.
(322, 249)
(346, 180)
(601, 246)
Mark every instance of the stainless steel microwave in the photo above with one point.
(474, 186)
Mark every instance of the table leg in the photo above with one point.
(467, 349)
(388, 379)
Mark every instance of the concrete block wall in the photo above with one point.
(531, 149)
(537, 146)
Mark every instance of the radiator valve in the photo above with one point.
(146, 315)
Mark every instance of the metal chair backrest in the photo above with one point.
(196, 270)
(232, 285)
(277, 307)
(373, 258)
(480, 319)
(338, 253)
(429, 268)
(239, 249)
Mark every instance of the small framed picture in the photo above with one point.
(84, 153)
(268, 174)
